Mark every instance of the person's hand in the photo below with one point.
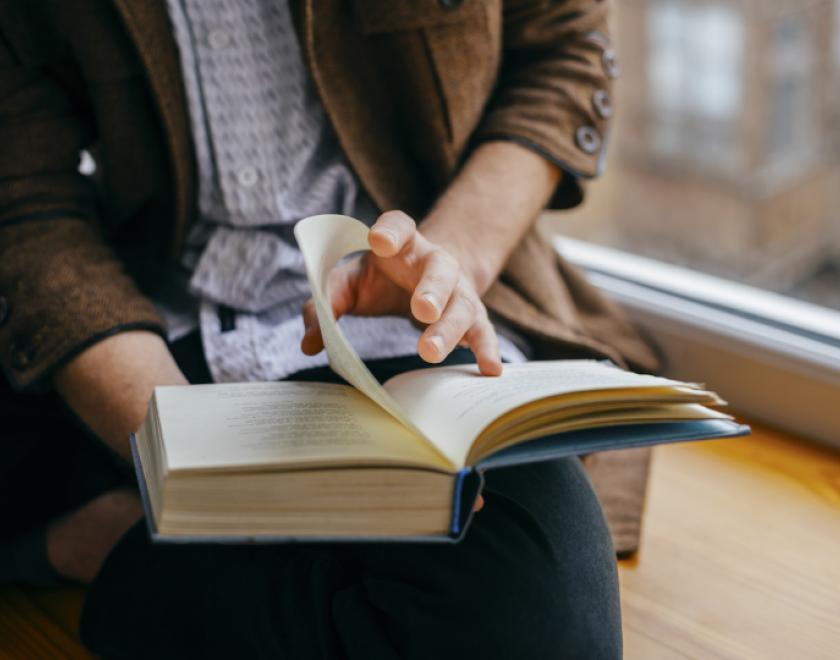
(479, 504)
(406, 274)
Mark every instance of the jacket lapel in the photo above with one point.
(346, 92)
(356, 102)
(148, 25)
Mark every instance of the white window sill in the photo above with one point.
(775, 359)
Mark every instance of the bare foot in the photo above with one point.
(78, 544)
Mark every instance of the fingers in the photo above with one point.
(463, 320)
(436, 286)
(312, 342)
(441, 337)
(403, 261)
(391, 233)
(342, 297)
(484, 343)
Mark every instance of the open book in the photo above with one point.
(402, 460)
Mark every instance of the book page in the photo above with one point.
(281, 424)
(324, 240)
(639, 414)
(453, 404)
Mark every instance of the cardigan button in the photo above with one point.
(588, 139)
(4, 311)
(451, 4)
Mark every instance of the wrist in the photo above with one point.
(489, 207)
(109, 385)
(479, 264)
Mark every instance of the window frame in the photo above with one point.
(775, 359)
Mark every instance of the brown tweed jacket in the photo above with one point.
(409, 86)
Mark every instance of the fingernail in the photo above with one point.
(429, 298)
(387, 233)
(437, 342)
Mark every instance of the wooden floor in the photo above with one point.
(740, 559)
(740, 553)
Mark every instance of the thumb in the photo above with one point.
(312, 342)
(479, 503)
(342, 294)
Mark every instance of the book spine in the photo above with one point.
(457, 497)
(468, 484)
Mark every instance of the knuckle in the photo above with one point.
(437, 277)
(480, 330)
(456, 329)
(410, 260)
(450, 329)
(470, 305)
(398, 219)
(445, 260)
(478, 336)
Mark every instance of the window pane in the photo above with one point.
(694, 71)
(790, 105)
(714, 37)
(667, 66)
(722, 157)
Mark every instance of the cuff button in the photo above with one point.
(609, 60)
(602, 104)
(588, 139)
(597, 38)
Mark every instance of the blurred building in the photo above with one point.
(724, 155)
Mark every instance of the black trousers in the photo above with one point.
(535, 577)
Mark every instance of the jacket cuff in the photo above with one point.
(61, 291)
(558, 104)
(561, 146)
(569, 192)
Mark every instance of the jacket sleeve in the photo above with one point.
(61, 287)
(554, 89)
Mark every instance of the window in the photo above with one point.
(790, 95)
(717, 222)
(695, 79)
(835, 36)
(719, 160)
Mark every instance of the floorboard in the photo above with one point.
(740, 552)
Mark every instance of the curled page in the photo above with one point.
(324, 240)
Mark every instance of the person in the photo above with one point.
(206, 130)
